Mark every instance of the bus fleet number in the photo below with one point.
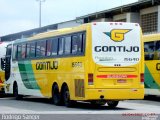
(131, 59)
(76, 64)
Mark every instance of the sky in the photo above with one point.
(21, 15)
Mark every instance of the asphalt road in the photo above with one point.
(32, 108)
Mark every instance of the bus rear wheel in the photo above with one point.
(66, 97)
(112, 104)
(56, 99)
(15, 92)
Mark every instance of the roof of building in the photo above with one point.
(18, 35)
(31, 32)
(133, 7)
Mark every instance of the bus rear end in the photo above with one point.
(3, 46)
(117, 54)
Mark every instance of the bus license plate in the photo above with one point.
(121, 81)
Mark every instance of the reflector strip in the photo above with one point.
(116, 76)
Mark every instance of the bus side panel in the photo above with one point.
(152, 64)
(152, 76)
(68, 71)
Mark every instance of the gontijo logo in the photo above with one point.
(117, 35)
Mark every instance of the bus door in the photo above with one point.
(3, 63)
(8, 62)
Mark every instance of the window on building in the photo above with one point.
(149, 22)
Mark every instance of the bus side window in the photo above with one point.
(76, 44)
(14, 52)
(23, 51)
(158, 50)
(9, 50)
(28, 50)
(54, 47)
(38, 49)
(61, 46)
(32, 50)
(43, 48)
(19, 51)
(49, 46)
(149, 50)
(67, 49)
(82, 38)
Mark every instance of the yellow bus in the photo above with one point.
(3, 46)
(152, 64)
(98, 62)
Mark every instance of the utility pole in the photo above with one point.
(40, 9)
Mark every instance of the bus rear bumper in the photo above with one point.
(114, 94)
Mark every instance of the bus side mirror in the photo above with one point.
(3, 63)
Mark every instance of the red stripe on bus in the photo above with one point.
(116, 76)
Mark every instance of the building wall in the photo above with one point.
(149, 10)
(103, 20)
(135, 17)
(148, 18)
(72, 23)
(120, 17)
(127, 17)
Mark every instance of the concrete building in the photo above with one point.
(145, 12)
(29, 33)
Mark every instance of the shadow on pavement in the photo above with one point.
(78, 105)
(152, 98)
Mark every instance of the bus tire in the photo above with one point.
(66, 97)
(15, 92)
(56, 99)
(112, 104)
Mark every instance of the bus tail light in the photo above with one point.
(142, 78)
(1, 81)
(90, 79)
